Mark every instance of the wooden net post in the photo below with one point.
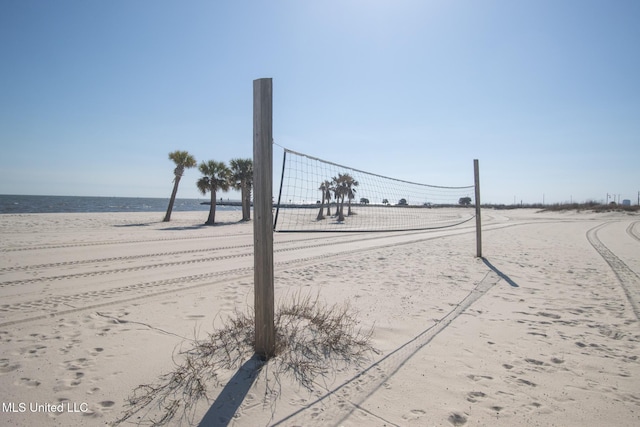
(263, 218)
(476, 174)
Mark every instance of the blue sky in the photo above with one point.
(546, 94)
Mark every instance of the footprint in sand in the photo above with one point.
(6, 366)
(315, 412)
(414, 414)
(76, 364)
(96, 351)
(549, 315)
(28, 382)
(33, 350)
(76, 369)
(473, 396)
(67, 384)
(293, 402)
(479, 377)
(534, 362)
(457, 419)
(5, 337)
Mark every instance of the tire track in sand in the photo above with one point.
(161, 287)
(329, 242)
(126, 258)
(140, 267)
(106, 243)
(628, 279)
(116, 259)
(155, 288)
(631, 230)
(158, 287)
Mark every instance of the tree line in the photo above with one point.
(216, 176)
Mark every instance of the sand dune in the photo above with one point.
(543, 331)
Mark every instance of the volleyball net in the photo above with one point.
(316, 195)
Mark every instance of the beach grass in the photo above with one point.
(313, 339)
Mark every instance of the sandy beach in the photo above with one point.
(543, 331)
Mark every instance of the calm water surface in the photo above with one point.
(58, 204)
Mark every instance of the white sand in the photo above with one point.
(545, 333)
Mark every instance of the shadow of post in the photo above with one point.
(500, 273)
(232, 395)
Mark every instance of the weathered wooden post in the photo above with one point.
(265, 339)
(476, 174)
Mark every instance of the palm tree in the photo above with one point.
(217, 176)
(183, 160)
(242, 179)
(328, 188)
(351, 192)
(325, 188)
(335, 187)
(343, 187)
(340, 190)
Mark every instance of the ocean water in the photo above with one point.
(58, 204)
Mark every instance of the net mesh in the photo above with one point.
(318, 195)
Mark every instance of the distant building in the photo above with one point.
(626, 202)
